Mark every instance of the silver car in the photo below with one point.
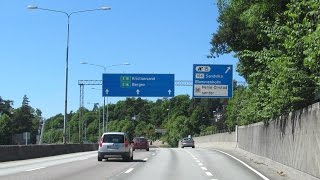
(115, 145)
(187, 142)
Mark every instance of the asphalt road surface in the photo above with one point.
(156, 164)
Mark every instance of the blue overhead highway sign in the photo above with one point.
(212, 81)
(138, 85)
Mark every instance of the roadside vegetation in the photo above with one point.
(179, 116)
(277, 44)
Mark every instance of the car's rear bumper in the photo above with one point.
(140, 147)
(187, 145)
(113, 154)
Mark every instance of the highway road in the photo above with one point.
(157, 164)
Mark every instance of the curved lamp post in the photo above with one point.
(68, 15)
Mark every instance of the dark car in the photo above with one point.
(140, 143)
(187, 142)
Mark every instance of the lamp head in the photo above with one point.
(32, 7)
(105, 8)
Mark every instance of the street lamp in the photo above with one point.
(31, 7)
(104, 99)
(105, 67)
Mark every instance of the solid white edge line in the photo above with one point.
(209, 174)
(34, 169)
(249, 167)
(129, 170)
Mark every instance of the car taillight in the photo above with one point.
(100, 142)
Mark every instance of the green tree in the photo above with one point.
(73, 126)
(22, 118)
(177, 128)
(277, 60)
(241, 29)
(6, 107)
(53, 129)
(158, 113)
(5, 130)
(36, 125)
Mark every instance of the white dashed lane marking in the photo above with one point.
(129, 170)
(204, 168)
(35, 169)
(201, 165)
(145, 159)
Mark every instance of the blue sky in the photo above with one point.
(157, 36)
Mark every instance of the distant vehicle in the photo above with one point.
(140, 143)
(187, 142)
(115, 145)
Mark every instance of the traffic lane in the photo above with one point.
(82, 169)
(12, 167)
(221, 165)
(168, 164)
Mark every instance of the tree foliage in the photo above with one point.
(279, 60)
(180, 116)
(17, 121)
(5, 129)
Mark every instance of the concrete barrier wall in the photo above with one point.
(11, 153)
(222, 140)
(292, 140)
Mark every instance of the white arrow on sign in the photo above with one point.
(107, 91)
(169, 91)
(138, 91)
(228, 69)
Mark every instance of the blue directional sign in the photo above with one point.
(138, 85)
(212, 81)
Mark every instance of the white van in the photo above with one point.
(115, 145)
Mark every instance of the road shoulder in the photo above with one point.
(272, 169)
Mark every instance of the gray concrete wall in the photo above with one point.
(222, 140)
(11, 153)
(292, 140)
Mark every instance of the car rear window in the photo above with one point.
(113, 138)
(188, 139)
(139, 140)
